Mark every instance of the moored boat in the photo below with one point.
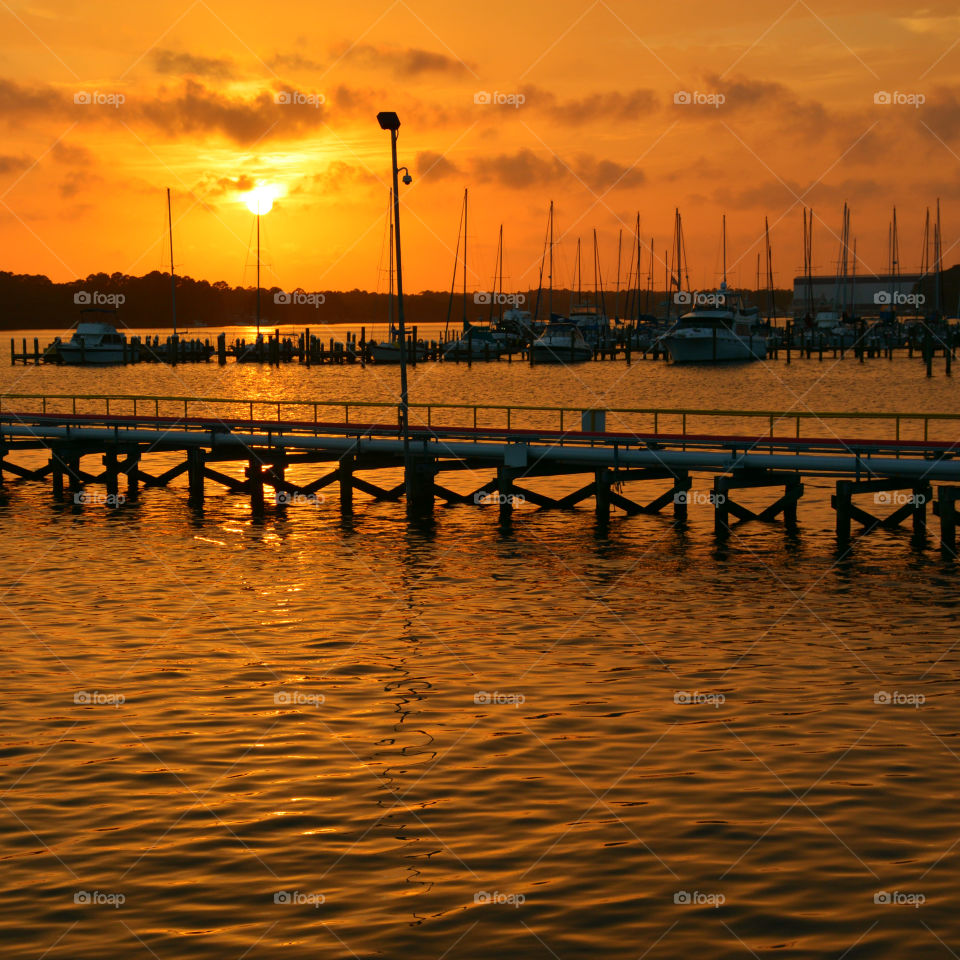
(94, 341)
(561, 342)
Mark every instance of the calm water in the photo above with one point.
(309, 737)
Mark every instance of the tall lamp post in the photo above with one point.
(388, 120)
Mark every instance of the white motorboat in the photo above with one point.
(561, 343)
(716, 329)
(93, 342)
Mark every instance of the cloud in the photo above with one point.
(525, 168)
(197, 109)
(430, 164)
(609, 105)
(71, 154)
(11, 164)
(77, 181)
(178, 64)
(405, 62)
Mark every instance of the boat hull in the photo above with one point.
(706, 349)
(73, 355)
(542, 353)
(388, 353)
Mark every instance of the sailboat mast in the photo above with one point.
(550, 275)
(464, 258)
(616, 302)
(938, 261)
(597, 276)
(724, 231)
(173, 280)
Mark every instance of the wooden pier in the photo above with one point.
(904, 460)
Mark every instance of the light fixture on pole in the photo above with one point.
(388, 120)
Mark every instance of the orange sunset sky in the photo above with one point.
(185, 95)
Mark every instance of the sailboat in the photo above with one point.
(717, 327)
(561, 340)
(388, 351)
(590, 318)
(476, 342)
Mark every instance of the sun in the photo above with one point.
(260, 199)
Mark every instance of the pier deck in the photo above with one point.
(876, 453)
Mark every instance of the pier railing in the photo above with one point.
(894, 425)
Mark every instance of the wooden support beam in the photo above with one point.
(254, 471)
(57, 470)
(345, 478)
(914, 506)
(681, 493)
(131, 468)
(505, 487)
(111, 473)
(195, 475)
(421, 499)
(451, 496)
(231, 483)
(23, 473)
(379, 493)
(602, 494)
(946, 509)
(572, 499)
(164, 477)
(531, 496)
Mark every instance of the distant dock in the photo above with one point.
(793, 342)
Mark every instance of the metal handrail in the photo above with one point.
(431, 408)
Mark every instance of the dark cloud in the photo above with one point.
(525, 169)
(293, 61)
(77, 181)
(612, 105)
(430, 164)
(71, 154)
(407, 62)
(197, 109)
(11, 164)
(178, 64)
